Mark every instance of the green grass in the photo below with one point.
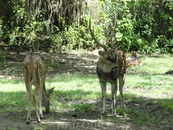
(167, 104)
(145, 85)
(72, 86)
(82, 108)
(151, 78)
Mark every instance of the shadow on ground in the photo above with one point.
(141, 113)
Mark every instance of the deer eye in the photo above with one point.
(111, 60)
(107, 58)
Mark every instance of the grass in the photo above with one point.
(76, 85)
(147, 88)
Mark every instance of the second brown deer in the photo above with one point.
(134, 59)
(111, 66)
(34, 71)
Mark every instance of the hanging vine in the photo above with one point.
(57, 12)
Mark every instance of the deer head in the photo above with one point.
(109, 58)
(46, 98)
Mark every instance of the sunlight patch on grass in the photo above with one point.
(150, 85)
(75, 86)
(157, 65)
(11, 85)
(149, 80)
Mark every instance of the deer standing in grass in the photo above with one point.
(111, 66)
(34, 71)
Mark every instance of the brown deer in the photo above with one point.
(111, 66)
(133, 60)
(34, 72)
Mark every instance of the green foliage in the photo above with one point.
(2, 56)
(77, 38)
(125, 28)
(140, 25)
(148, 25)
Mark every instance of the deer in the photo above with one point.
(133, 60)
(34, 71)
(111, 67)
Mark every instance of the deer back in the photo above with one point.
(34, 68)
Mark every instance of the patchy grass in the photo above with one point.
(148, 95)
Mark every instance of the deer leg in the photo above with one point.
(38, 92)
(30, 96)
(114, 94)
(29, 108)
(121, 84)
(36, 108)
(40, 104)
(103, 88)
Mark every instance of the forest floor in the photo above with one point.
(144, 113)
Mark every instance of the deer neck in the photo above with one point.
(106, 68)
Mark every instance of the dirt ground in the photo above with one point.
(73, 62)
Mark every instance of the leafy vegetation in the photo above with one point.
(142, 25)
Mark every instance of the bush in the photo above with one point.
(2, 56)
(140, 25)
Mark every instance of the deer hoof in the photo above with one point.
(28, 122)
(38, 121)
(41, 116)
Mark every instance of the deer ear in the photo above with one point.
(51, 90)
(100, 52)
